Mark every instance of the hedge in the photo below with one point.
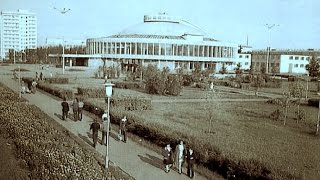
(61, 93)
(129, 85)
(131, 103)
(313, 102)
(57, 80)
(91, 92)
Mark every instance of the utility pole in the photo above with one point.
(269, 26)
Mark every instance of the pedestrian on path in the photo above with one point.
(34, 86)
(75, 108)
(41, 76)
(190, 160)
(103, 128)
(36, 75)
(81, 104)
(65, 109)
(95, 126)
(123, 129)
(23, 88)
(167, 158)
(179, 157)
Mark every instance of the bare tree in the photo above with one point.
(211, 99)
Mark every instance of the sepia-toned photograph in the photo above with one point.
(159, 90)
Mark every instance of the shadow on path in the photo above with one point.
(85, 138)
(154, 161)
(59, 116)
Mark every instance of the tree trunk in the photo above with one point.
(318, 119)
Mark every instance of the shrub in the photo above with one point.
(57, 80)
(129, 85)
(131, 103)
(187, 80)
(313, 102)
(91, 92)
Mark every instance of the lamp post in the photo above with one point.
(106, 123)
(63, 55)
(269, 26)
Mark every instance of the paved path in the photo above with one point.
(138, 161)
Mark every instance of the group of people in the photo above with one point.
(77, 107)
(31, 87)
(96, 126)
(181, 155)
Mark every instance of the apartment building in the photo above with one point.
(18, 31)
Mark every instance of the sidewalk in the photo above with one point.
(138, 161)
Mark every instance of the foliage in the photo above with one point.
(162, 83)
(313, 102)
(223, 69)
(57, 80)
(196, 73)
(129, 85)
(238, 69)
(313, 67)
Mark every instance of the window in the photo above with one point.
(247, 56)
(240, 56)
(301, 65)
(302, 58)
(296, 65)
(291, 57)
(307, 58)
(246, 63)
(296, 58)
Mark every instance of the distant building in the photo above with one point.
(283, 61)
(18, 31)
(244, 57)
(164, 41)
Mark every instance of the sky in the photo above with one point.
(297, 21)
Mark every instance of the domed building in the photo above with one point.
(164, 41)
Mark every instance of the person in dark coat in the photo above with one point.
(75, 108)
(81, 104)
(95, 126)
(190, 161)
(65, 109)
(167, 158)
(41, 76)
(123, 128)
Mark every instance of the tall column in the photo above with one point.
(188, 50)
(153, 49)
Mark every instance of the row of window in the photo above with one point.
(246, 56)
(161, 49)
(301, 58)
(297, 65)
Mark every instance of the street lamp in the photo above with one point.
(63, 56)
(108, 89)
(269, 26)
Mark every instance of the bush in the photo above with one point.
(57, 80)
(91, 92)
(187, 80)
(131, 103)
(129, 85)
(313, 102)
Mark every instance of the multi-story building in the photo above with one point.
(283, 61)
(18, 31)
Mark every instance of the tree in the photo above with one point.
(223, 69)
(211, 104)
(196, 73)
(263, 69)
(274, 70)
(238, 69)
(313, 67)
(296, 91)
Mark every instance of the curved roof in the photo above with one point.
(162, 29)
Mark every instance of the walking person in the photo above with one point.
(167, 158)
(36, 75)
(190, 160)
(65, 109)
(34, 86)
(81, 104)
(180, 154)
(41, 76)
(123, 129)
(95, 126)
(75, 108)
(103, 130)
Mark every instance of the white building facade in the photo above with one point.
(164, 41)
(284, 61)
(18, 31)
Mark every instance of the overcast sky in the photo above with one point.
(229, 20)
